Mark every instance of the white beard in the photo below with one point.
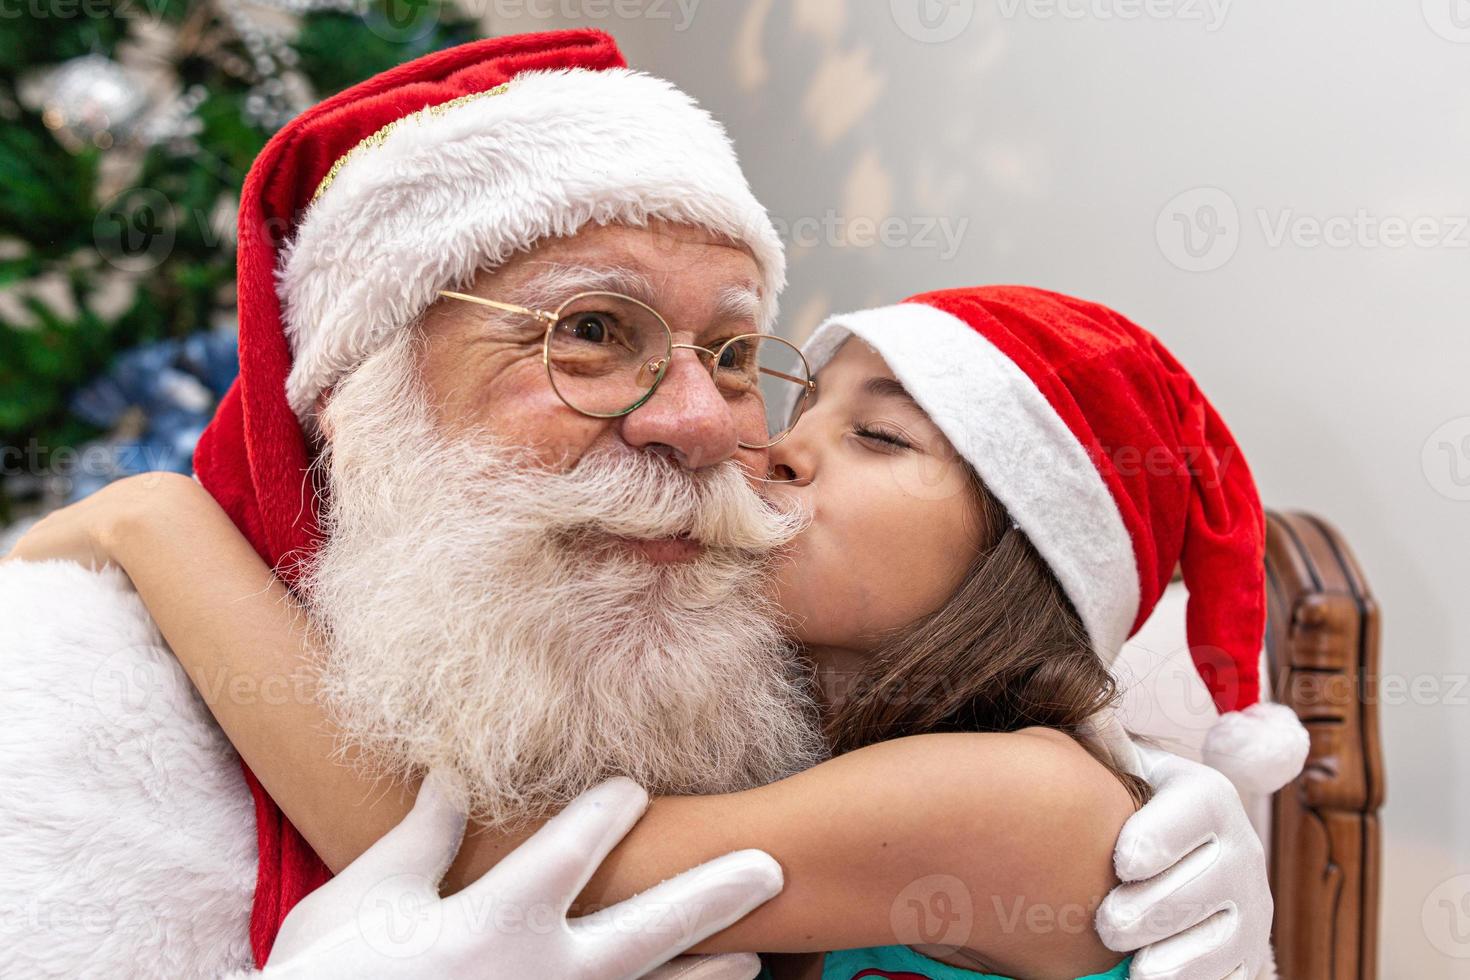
(476, 616)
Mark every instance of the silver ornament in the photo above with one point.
(92, 100)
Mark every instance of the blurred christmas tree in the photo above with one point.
(126, 130)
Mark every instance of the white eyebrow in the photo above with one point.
(557, 283)
(740, 303)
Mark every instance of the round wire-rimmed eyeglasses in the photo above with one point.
(605, 354)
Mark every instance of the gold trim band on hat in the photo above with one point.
(377, 138)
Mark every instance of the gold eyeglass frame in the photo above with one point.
(660, 365)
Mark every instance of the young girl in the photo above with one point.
(985, 533)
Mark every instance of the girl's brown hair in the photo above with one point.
(1005, 652)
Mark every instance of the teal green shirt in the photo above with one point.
(902, 963)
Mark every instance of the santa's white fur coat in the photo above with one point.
(127, 833)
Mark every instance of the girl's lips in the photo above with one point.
(664, 550)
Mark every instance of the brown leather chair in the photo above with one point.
(1326, 843)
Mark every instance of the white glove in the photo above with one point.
(1194, 887)
(382, 917)
(726, 966)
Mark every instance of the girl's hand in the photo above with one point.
(87, 531)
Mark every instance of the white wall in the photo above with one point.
(1060, 142)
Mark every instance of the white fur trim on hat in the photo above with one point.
(448, 193)
(1261, 748)
(1000, 422)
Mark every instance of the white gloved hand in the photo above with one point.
(382, 917)
(1194, 886)
(726, 966)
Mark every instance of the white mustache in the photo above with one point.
(638, 495)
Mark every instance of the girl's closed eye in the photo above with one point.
(882, 436)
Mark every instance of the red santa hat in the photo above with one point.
(1106, 454)
(359, 210)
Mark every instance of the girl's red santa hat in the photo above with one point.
(361, 209)
(1110, 459)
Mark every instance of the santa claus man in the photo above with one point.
(133, 845)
